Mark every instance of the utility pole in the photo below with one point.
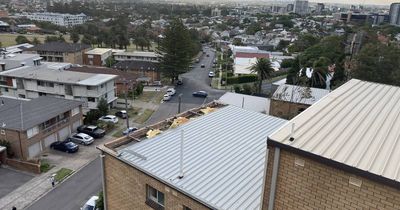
(179, 102)
(126, 105)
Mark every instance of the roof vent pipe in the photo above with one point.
(181, 174)
(292, 133)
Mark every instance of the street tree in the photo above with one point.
(21, 39)
(74, 37)
(175, 50)
(102, 106)
(263, 69)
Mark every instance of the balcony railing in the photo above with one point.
(56, 125)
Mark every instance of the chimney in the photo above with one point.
(181, 174)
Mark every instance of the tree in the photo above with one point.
(303, 42)
(380, 63)
(263, 69)
(59, 38)
(100, 202)
(36, 41)
(21, 39)
(92, 116)
(74, 37)
(110, 61)
(175, 50)
(102, 106)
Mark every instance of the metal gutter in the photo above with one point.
(274, 178)
(103, 180)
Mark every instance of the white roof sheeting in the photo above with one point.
(243, 65)
(224, 157)
(299, 94)
(356, 125)
(252, 103)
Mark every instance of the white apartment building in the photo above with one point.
(301, 7)
(52, 80)
(66, 20)
(136, 56)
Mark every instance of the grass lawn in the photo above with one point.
(144, 116)
(151, 96)
(8, 39)
(62, 174)
(45, 167)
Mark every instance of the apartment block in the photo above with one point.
(61, 52)
(136, 56)
(10, 61)
(49, 79)
(340, 153)
(97, 56)
(180, 163)
(32, 125)
(147, 72)
(65, 20)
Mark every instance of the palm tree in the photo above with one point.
(263, 69)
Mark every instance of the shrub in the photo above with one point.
(237, 88)
(92, 116)
(242, 79)
(246, 89)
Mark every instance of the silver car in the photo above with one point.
(82, 138)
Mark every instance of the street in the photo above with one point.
(194, 80)
(75, 191)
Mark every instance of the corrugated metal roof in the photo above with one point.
(248, 102)
(298, 94)
(224, 157)
(356, 125)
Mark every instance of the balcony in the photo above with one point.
(56, 125)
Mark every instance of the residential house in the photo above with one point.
(125, 81)
(32, 125)
(51, 79)
(341, 153)
(188, 165)
(145, 71)
(61, 52)
(290, 100)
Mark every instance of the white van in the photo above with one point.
(90, 204)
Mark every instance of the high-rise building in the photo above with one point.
(289, 8)
(320, 8)
(394, 14)
(301, 7)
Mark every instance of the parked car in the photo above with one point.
(92, 130)
(65, 146)
(82, 138)
(203, 66)
(200, 94)
(109, 118)
(197, 60)
(167, 97)
(171, 91)
(90, 204)
(211, 74)
(122, 114)
(179, 82)
(129, 130)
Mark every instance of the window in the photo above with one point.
(186, 208)
(5, 89)
(91, 99)
(75, 111)
(91, 87)
(41, 83)
(155, 198)
(33, 131)
(21, 96)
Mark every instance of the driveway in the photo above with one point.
(11, 180)
(194, 80)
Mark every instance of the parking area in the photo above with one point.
(11, 180)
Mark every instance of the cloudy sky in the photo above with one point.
(387, 2)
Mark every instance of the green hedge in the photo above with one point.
(242, 79)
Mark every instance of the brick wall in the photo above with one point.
(319, 186)
(285, 110)
(24, 165)
(126, 188)
(96, 59)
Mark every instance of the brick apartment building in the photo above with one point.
(146, 71)
(214, 159)
(32, 125)
(97, 56)
(290, 100)
(341, 153)
(61, 52)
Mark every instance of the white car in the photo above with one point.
(109, 118)
(82, 138)
(211, 74)
(171, 91)
(90, 204)
(167, 97)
